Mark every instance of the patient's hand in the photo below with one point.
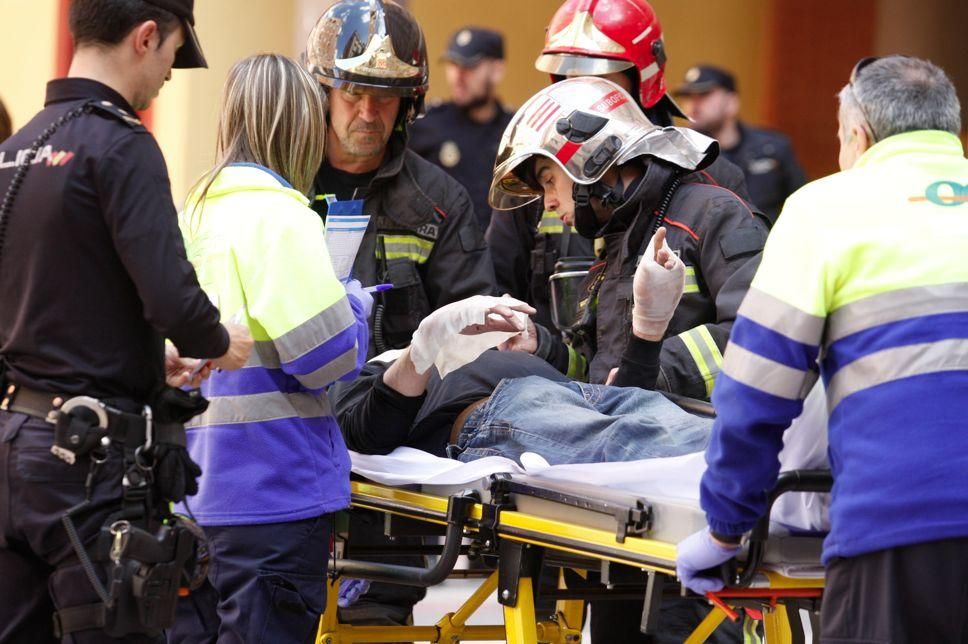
(477, 315)
(502, 317)
(611, 375)
(526, 342)
(656, 289)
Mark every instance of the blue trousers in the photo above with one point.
(266, 583)
(574, 422)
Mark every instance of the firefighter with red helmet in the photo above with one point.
(621, 41)
(605, 37)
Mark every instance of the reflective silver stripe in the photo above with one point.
(691, 286)
(895, 306)
(315, 331)
(264, 354)
(260, 408)
(331, 371)
(767, 375)
(781, 317)
(896, 363)
(699, 341)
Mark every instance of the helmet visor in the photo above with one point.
(569, 65)
(508, 189)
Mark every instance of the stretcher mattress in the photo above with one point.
(669, 487)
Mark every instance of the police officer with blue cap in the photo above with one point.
(93, 278)
(461, 135)
(710, 98)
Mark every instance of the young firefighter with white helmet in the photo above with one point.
(621, 41)
(586, 148)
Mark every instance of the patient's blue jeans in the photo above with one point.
(574, 422)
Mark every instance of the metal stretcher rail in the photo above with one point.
(609, 527)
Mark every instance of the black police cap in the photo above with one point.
(705, 78)
(190, 54)
(470, 45)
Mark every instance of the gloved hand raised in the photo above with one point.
(456, 334)
(699, 552)
(354, 288)
(657, 288)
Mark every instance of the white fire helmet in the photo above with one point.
(586, 125)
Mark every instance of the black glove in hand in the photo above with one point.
(176, 474)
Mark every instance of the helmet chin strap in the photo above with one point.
(586, 221)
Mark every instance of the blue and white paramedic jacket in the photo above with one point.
(269, 447)
(864, 279)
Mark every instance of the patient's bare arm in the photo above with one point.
(403, 378)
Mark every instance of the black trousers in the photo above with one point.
(266, 583)
(383, 604)
(916, 593)
(38, 569)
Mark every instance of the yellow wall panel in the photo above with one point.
(28, 44)
(726, 33)
(186, 112)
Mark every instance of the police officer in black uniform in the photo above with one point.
(461, 135)
(710, 99)
(93, 277)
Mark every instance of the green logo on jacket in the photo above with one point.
(945, 193)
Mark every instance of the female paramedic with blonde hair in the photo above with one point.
(274, 463)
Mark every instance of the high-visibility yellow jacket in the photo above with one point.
(863, 279)
(269, 447)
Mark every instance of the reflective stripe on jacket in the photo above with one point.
(865, 271)
(268, 445)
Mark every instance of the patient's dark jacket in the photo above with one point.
(376, 419)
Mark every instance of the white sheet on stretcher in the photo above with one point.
(805, 447)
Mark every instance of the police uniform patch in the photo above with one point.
(762, 166)
(449, 154)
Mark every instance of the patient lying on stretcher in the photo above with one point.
(447, 394)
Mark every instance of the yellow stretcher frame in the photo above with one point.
(520, 624)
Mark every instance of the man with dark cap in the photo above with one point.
(462, 134)
(710, 99)
(94, 278)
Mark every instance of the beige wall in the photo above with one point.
(933, 30)
(734, 34)
(186, 113)
(28, 44)
(729, 33)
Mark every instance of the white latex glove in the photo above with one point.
(657, 288)
(456, 334)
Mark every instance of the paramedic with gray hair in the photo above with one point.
(863, 283)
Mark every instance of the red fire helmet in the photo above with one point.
(597, 37)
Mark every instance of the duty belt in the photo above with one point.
(130, 430)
